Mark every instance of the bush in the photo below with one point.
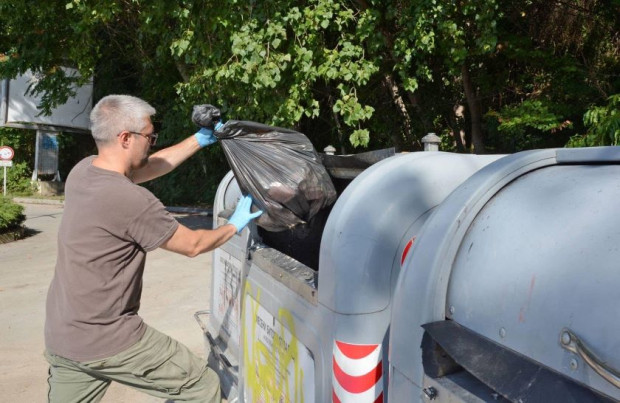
(11, 215)
(18, 180)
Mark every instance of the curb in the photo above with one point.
(27, 200)
(13, 235)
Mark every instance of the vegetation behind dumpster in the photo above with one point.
(496, 76)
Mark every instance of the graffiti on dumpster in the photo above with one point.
(278, 367)
(227, 284)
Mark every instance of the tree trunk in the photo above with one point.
(343, 149)
(402, 109)
(475, 113)
(414, 100)
(182, 69)
(397, 98)
(452, 121)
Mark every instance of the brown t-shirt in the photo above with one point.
(108, 225)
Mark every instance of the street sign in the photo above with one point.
(6, 153)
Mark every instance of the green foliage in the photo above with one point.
(11, 214)
(603, 124)
(22, 141)
(20, 174)
(290, 59)
(529, 114)
(33, 39)
(18, 180)
(199, 180)
(524, 126)
(72, 148)
(352, 74)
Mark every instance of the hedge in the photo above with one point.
(11, 215)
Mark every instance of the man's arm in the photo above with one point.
(194, 242)
(164, 161)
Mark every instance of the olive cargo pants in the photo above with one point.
(157, 365)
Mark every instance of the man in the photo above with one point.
(93, 333)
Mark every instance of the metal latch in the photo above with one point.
(571, 342)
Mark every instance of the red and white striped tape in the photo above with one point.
(357, 373)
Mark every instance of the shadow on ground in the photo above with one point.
(15, 234)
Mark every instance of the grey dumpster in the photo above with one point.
(512, 289)
(282, 329)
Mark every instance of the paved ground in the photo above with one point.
(175, 287)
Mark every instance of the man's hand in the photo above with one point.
(242, 215)
(205, 137)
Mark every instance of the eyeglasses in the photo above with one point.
(152, 138)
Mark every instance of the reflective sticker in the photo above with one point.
(357, 373)
(406, 250)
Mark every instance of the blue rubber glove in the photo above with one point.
(205, 136)
(242, 215)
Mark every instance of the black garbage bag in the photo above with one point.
(279, 167)
(206, 115)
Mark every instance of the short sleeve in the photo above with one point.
(153, 226)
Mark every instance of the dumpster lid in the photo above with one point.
(349, 166)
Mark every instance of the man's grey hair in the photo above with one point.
(115, 113)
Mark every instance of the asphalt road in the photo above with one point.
(175, 287)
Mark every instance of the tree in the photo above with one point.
(497, 76)
(603, 124)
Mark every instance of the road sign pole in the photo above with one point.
(35, 171)
(6, 157)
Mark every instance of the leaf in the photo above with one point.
(360, 137)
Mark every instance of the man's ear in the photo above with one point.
(124, 139)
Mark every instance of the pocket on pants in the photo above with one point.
(163, 364)
(158, 363)
(168, 376)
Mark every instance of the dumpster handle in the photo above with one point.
(571, 342)
(200, 322)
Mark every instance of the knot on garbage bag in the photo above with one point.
(206, 115)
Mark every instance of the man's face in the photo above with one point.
(142, 144)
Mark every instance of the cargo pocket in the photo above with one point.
(169, 376)
(161, 364)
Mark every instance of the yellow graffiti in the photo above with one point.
(266, 370)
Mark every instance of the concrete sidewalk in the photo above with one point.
(175, 287)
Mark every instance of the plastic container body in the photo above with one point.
(523, 256)
(301, 332)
